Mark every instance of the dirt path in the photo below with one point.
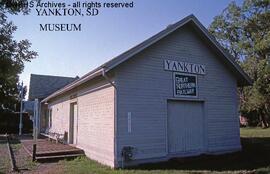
(24, 161)
(46, 168)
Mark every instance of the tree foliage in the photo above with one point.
(244, 31)
(13, 55)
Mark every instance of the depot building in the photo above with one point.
(173, 95)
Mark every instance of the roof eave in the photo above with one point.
(73, 85)
(246, 82)
(150, 41)
(243, 78)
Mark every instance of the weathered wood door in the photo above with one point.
(185, 126)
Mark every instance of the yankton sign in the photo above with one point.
(185, 67)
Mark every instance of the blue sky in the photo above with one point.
(104, 36)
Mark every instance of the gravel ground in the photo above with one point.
(46, 168)
(4, 156)
(25, 165)
(23, 160)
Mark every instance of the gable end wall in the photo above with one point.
(144, 88)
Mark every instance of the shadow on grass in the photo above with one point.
(14, 139)
(255, 154)
(3, 139)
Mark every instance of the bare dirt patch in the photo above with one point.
(47, 168)
(24, 162)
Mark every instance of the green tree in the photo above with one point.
(244, 31)
(13, 54)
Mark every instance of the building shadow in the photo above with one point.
(255, 154)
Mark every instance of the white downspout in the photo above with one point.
(115, 117)
(107, 78)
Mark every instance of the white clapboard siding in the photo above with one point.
(144, 87)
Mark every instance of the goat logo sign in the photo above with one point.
(185, 85)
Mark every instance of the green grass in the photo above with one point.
(254, 157)
(30, 165)
(254, 132)
(16, 147)
(83, 165)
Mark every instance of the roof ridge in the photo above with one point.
(115, 61)
(53, 76)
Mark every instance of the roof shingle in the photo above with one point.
(42, 86)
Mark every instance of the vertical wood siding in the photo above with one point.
(185, 127)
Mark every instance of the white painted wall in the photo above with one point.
(144, 88)
(95, 102)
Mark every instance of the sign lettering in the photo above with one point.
(171, 65)
(185, 85)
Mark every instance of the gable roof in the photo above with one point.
(42, 86)
(242, 78)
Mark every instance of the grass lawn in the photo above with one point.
(255, 132)
(4, 159)
(254, 157)
(4, 156)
